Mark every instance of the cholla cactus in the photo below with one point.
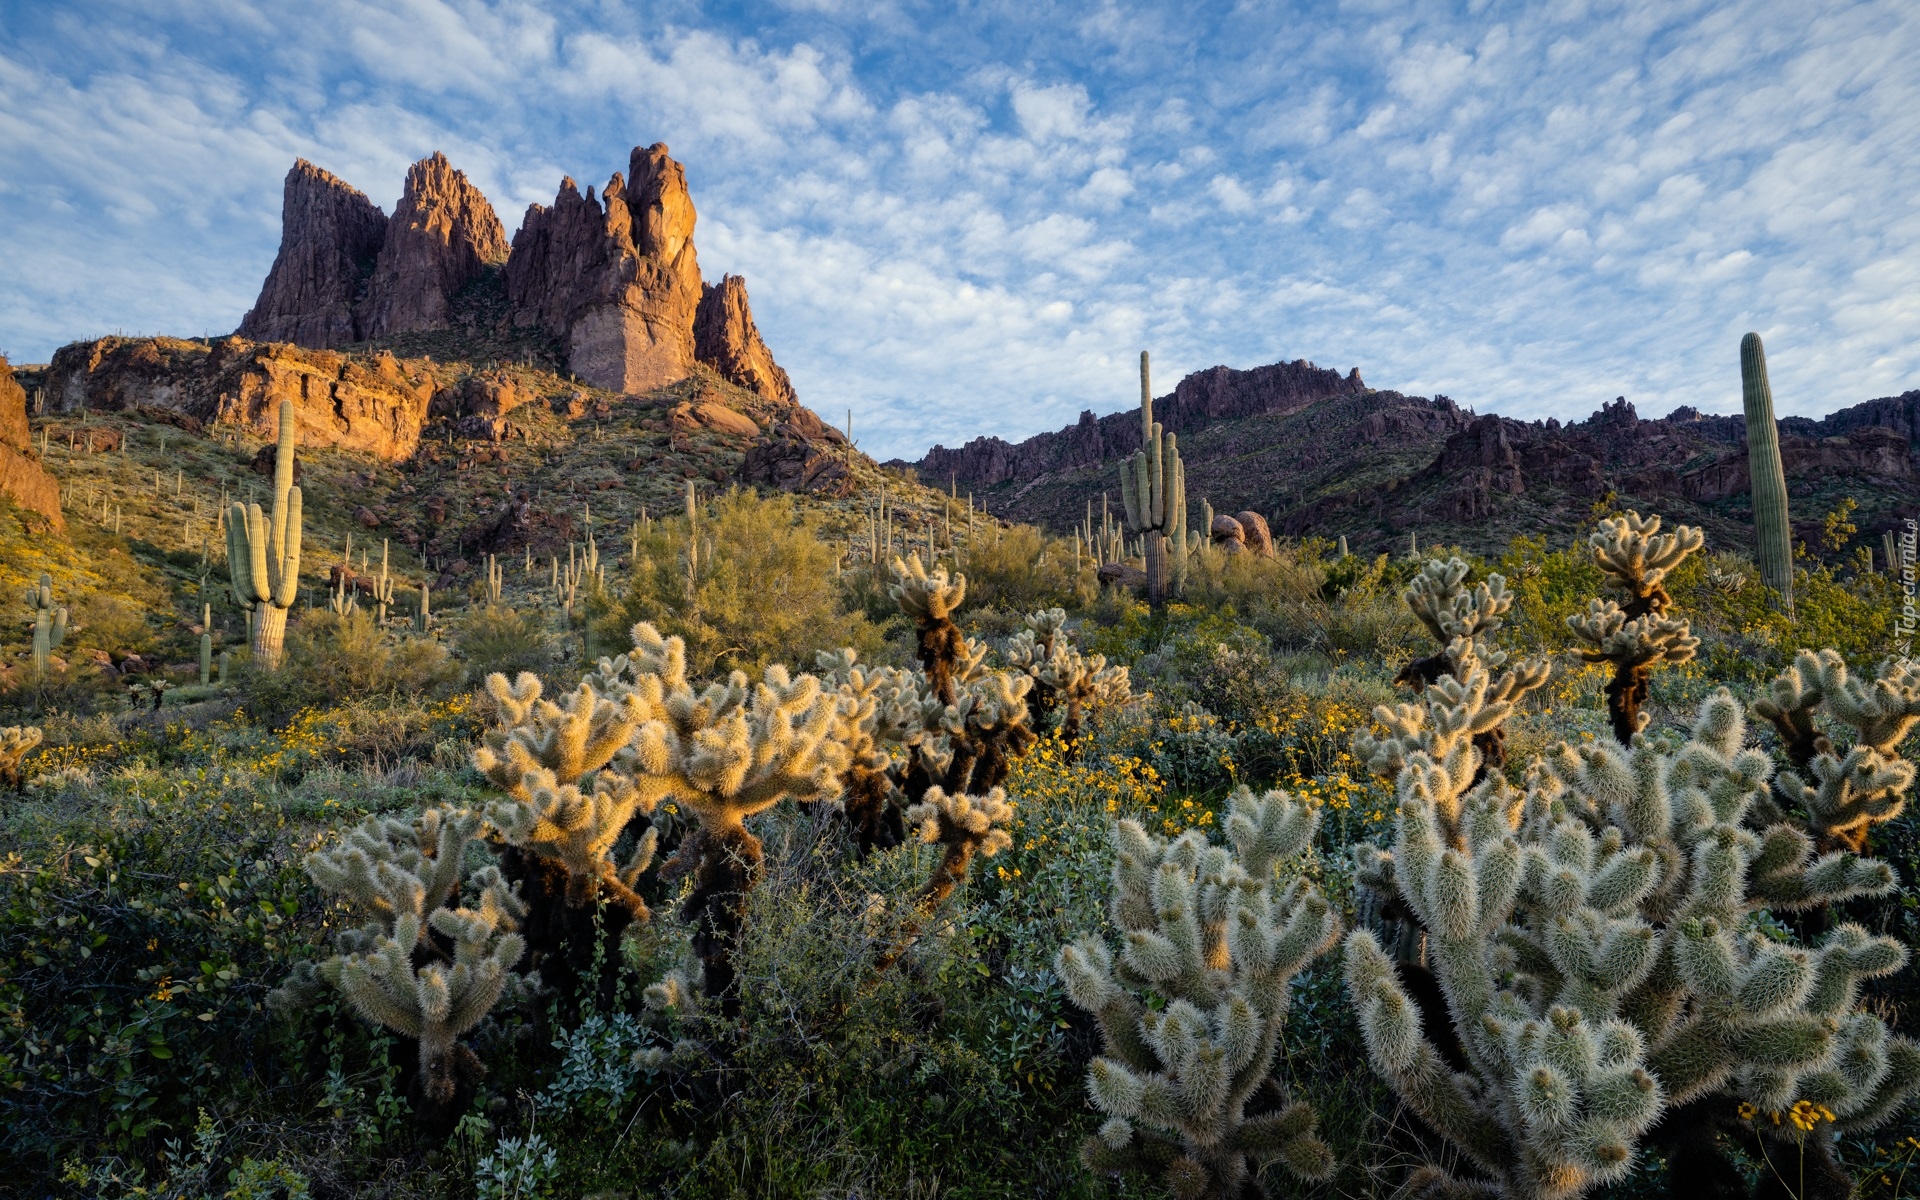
(962, 826)
(1463, 620)
(263, 556)
(1852, 791)
(1063, 677)
(425, 966)
(1209, 929)
(1586, 932)
(16, 742)
(723, 753)
(931, 599)
(49, 624)
(1634, 632)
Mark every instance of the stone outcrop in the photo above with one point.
(440, 238)
(725, 338)
(374, 404)
(1201, 399)
(22, 477)
(616, 278)
(330, 236)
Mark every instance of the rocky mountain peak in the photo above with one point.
(725, 336)
(442, 236)
(22, 477)
(330, 235)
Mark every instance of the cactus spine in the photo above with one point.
(49, 624)
(263, 557)
(1153, 489)
(1773, 536)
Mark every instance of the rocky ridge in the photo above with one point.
(1320, 454)
(440, 239)
(23, 478)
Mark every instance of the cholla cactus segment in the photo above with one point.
(16, 742)
(1856, 788)
(964, 826)
(1210, 929)
(1635, 636)
(1451, 610)
(922, 594)
(1586, 931)
(1063, 677)
(1636, 557)
(568, 741)
(423, 967)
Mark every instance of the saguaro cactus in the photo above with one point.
(263, 557)
(1153, 488)
(1773, 536)
(49, 624)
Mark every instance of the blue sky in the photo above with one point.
(969, 218)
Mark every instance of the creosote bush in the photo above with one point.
(330, 658)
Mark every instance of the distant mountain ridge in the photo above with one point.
(1319, 453)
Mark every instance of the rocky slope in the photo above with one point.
(1320, 454)
(606, 286)
(23, 478)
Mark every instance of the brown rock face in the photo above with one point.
(616, 278)
(725, 338)
(22, 478)
(441, 237)
(330, 235)
(1201, 399)
(374, 405)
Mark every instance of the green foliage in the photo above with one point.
(112, 622)
(505, 640)
(1018, 569)
(334, 657)
(763, 589)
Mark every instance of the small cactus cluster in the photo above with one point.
(1064, 679)
(1634, 629)
(16, 742)
(1192, 1006)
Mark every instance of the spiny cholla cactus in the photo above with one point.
(1063, 677)
(49, 624)
(931, 599)
(425, 966)
(723, 753)
(569, 776)
(263, 556)
(1592, 939)
(16, 742)
(1634, 632)
(1209, 929)
(1463, 620)
(1854, 790)
(961, 826)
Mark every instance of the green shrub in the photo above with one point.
(331, 658)
(504, 640)
(1019, 569)
(763, 591)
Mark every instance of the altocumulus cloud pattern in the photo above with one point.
(967, 225)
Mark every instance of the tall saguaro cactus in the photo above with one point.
(1153, 487)
(263, 555)
(49, 624)
(1768, 478)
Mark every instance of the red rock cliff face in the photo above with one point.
(22, 478)
(616, 278)
(330, 235)
(374, 404)
(725, 338)
(441, 237)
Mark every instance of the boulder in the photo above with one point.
(491, 394)
(1253, 527)
(1125, 574)
(22, 477)
(330, 235)
(704, 414)
(442, 236)
(1228, 534)
(725, 338)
